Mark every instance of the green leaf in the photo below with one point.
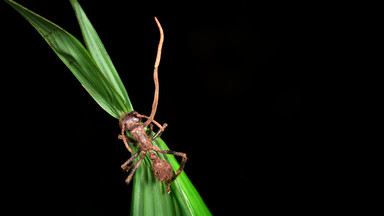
(99, 53)
(78, 60)
(95, 71)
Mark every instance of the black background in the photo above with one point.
(239, 89)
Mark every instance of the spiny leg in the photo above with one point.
(125, 166)
(127, 138)
(162, 128)
(154, 121)
(182, 164)
(158, 134)
(129, 178)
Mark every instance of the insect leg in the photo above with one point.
(129, 178)
(150, 129)
(152, 120)
(128, 139)
(162, 128)
(158, 134)
(125, 166)
(125, 138)
(182, 164)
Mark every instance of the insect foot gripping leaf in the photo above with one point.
(94, 69)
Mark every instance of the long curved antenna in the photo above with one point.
(155, 75)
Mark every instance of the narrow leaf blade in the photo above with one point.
(99, 53)
(77, 59)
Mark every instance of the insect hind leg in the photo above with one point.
(129, 178)
(182, 164)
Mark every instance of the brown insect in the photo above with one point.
(131, 122)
